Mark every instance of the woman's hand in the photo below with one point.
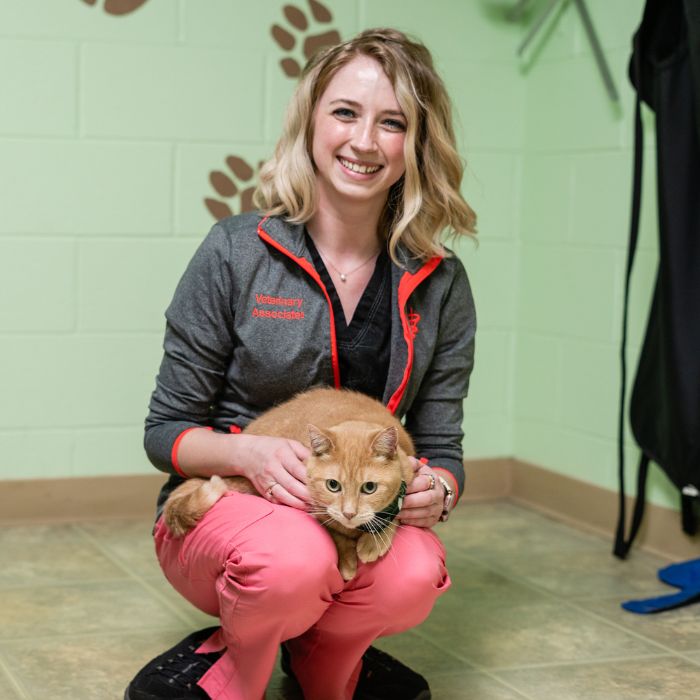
(424, 499)
(275, 467)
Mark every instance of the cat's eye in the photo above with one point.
(368, 487)
(333, 485)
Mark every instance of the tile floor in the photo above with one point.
(533, 614)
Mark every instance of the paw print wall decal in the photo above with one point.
(119, 7)
(224, 184)
(299, 31)
(303, 36)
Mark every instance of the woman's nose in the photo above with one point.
(363, 136)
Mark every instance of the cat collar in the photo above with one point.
(386, 516)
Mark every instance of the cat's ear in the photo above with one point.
(321, 443)
(385, 443)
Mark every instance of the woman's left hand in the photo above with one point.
(424, 499)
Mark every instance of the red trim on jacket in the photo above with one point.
(176, 445)
(311, 270)
(407, 286)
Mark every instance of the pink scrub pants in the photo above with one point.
(269, 572)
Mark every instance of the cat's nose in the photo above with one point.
(349, 514)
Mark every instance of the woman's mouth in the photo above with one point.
(358, 167)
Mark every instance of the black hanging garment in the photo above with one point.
(665, 401)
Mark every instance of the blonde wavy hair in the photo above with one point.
(426, 200)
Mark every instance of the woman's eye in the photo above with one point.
(332, 485)
(368, 487)
(395, 125)
(344, 113)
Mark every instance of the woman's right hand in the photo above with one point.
(275, 467)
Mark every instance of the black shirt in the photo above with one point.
(363, 345)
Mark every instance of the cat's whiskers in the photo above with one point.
(317, 508)
(390, 552)
(323, 517)
(378, 533)
(379, 514)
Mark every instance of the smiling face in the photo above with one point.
(358, 136)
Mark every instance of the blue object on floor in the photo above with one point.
(681, 575)
(684, 575)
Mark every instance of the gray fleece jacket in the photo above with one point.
(251, 324)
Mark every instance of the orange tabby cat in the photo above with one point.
(357, 472)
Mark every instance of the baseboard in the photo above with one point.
(487, 479)
(559, 496)
(578, 503)
(79, 498)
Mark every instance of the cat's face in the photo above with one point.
(355, 472)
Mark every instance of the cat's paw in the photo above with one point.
(235, 188)
(119, 7)
(348, 568)
(299, 29)
(370, 547)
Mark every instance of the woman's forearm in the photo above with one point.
(203, 453)
(268, 462)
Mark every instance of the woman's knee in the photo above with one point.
(409, 579)
(286, 559)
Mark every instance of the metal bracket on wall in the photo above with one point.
(590, 32)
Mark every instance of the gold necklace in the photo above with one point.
(344, 275)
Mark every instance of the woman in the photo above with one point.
(342, 281)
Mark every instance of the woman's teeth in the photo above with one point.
(357, 168)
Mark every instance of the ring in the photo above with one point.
(270, 487)
(432, 481)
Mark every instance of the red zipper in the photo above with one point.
(407, 285)
(311, 270)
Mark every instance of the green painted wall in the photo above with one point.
(571, 252)
(112, 125)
